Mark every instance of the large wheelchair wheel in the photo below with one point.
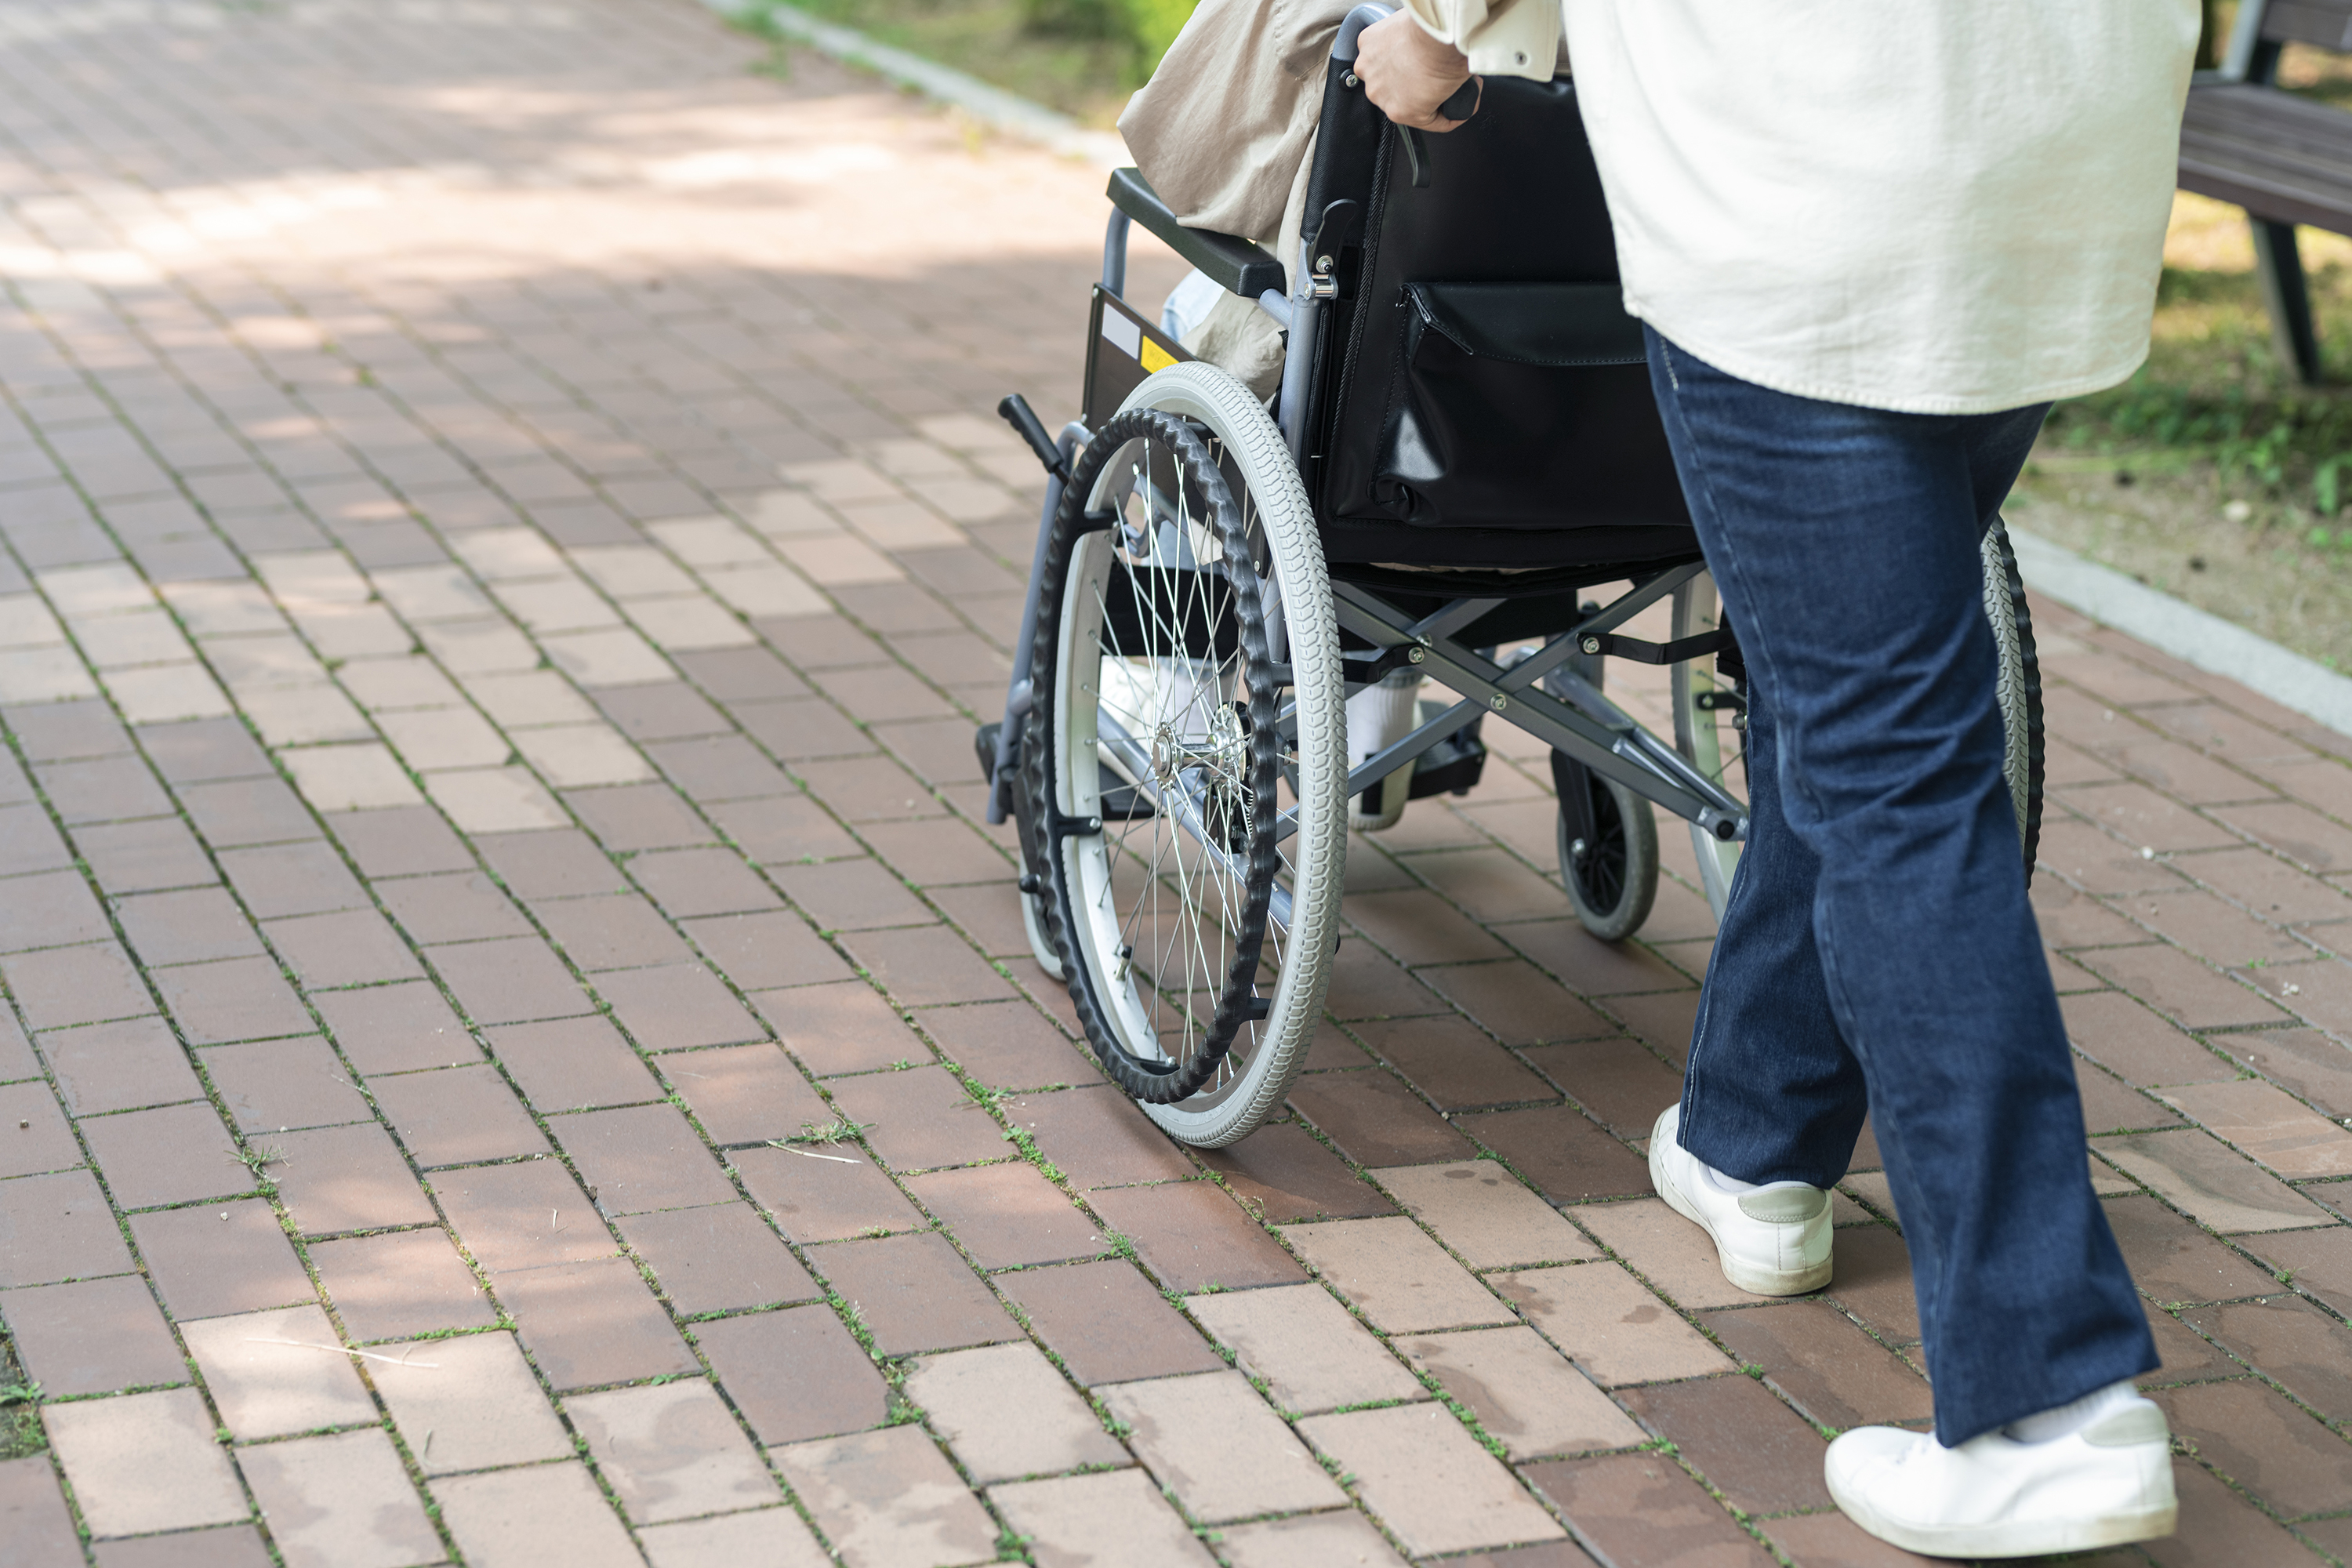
(1709, 714)
(1183, 606)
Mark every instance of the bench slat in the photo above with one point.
(2280, 157)
(2275, 111)
(2259, 159)
(2327, 23)
(2268, 190)
(2319, 146)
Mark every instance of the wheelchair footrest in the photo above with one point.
(1450, 767)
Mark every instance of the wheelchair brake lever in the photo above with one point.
(1016, 411)
(1459, 106)
(1416, 158)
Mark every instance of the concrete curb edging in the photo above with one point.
(992, 106)
(2184, 631)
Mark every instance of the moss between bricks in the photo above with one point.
(21, 1432)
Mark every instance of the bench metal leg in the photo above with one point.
(2280, 265)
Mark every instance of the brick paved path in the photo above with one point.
(504, 549)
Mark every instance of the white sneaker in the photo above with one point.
(2105, 1484)
(1773, 1240)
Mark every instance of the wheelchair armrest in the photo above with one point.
(1238, 266)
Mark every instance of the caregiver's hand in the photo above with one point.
(1407, 74)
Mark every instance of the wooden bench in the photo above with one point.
(2287, 160)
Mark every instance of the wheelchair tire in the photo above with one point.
(1040, 946)
(1196, 943)
(1707, 738)
(1033, 914)
(2020, 689)
(1613, 880)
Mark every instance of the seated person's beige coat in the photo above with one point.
(1225, 124)
(1225, 131)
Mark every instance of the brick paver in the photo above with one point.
(515, 1029)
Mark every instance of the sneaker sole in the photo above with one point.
(2020, 1537)
(1754, 1280)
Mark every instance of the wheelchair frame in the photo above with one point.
(1349, 583)
(1573, 717)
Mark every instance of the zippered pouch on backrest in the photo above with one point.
(1519, 406)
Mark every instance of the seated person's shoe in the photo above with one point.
(1773, 1240)
(2103, 1484)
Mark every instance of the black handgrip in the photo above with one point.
(1463, 103)
(1017, 412)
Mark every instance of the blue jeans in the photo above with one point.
(1878, 953)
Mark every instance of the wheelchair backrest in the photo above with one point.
(1483, 399)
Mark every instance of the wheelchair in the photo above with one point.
(1465, 442)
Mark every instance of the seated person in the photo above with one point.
(1225, 131)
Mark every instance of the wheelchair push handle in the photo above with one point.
(1343, 48)
(1016, 411)
(1460, 106)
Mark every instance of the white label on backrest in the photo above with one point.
(1123, 332)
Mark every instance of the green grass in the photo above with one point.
(2210, 474)
(1081, 57)
(21, 1432)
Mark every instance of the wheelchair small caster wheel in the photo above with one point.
(1609, 861)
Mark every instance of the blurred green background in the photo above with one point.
(1081, 57)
